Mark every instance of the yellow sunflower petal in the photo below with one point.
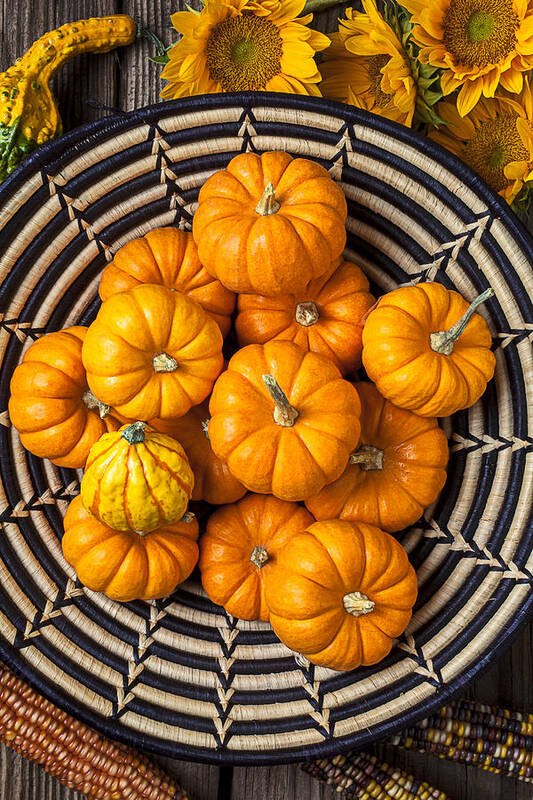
(516, 170)
(512, 81)
(468, 97)
(234, 45)
(441, 28)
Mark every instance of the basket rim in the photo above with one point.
(497, 207)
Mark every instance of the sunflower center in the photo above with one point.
(495, 144)
(480, 32)
(480, 26)
(375, 76)
(244, 53)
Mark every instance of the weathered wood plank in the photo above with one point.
(21, 780)
(199, 780)
(278, 783)
(145, 89)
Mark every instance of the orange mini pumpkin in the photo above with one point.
(213, 482)
(283, 420)
(126, 565)
(398, 469)
(269, 224)
(152, 352)
(168, 256)
(240, 547)
(340, 593)
(51, 406)
(326, 318)
(427, 350)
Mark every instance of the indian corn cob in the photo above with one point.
(364, 777)
(488, 737)
(73, 753)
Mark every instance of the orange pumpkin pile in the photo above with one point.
(143, 401)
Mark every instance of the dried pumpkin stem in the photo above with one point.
(357, 604)
(259, 556)
(187, 517)
(205, 428)
(367, 457)
(284, 414)
(268, 204)
(443, 341)
(162, 362)
(306, 314)
(94, 404)
(134, 433)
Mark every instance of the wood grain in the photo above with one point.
(127, 79)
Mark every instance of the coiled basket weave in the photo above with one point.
(179, 676)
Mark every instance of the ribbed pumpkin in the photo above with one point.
(126, 565)
(152, 352)
(240, 548)
(283, 420)
(326, 318)
(427, 350)
(137, 479)
(213, 482)
(168, 256)
(340, 593)
(397, 470)
(269, 224)
(51, 406)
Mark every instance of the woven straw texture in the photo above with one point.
(179, 676)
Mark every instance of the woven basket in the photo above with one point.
(179, 676)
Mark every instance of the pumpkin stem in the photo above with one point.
(134, 433)
(443, 341)
(162, 362)
(284, 414)
(205, 428)
(93, 403)
(268, 204)
(187, 517)
(306, 314)
(367, 457)
(259, 556)
(357, 604)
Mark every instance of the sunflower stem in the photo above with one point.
(161, 56)
(443, 341)
(284, 414)
(316, 6)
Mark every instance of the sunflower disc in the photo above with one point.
(179, 676)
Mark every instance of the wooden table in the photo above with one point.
(125, 79)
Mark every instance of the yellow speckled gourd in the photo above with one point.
(28, 112)
(137, 479)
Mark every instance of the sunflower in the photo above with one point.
(495, 140)
(367, 66)
(480, 43)
(240, 45)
